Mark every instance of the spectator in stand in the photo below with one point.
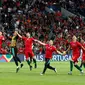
(1, 40)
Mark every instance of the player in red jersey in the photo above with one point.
(83, 54)
(1, 40)
(28, 41)
(76, 47)
(48, 55)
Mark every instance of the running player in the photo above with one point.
(75, 46)
(83, 54)
(28, 49)
(48, 55)
(1, 40)
(14, 51)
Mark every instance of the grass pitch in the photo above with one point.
(8, 75)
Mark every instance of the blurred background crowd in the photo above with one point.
(43, 19)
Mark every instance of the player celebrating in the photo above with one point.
(1, 40)
(48, 55)
(14, 51)
(28, 49)
(75, 46)
(83, 54)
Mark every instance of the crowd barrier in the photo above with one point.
(39, 57)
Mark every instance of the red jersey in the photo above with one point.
(83, 54)
(28, 43)
(1, 39)
(75, 46)
(49, 51)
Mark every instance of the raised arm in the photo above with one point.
(68, 49)
(82, 47)
(3, 38)
(19, 35)
(59, 52)
(40, 42)
(64, 52)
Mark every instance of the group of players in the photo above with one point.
(74, 45)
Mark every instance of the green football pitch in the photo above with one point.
(8, 76)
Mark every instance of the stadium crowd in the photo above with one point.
(17, 15)
(75, 6)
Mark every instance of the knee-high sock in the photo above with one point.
(45, 68)
(81, 64)
(15, 60)
(28, 62)
(34, 60)
(50, 67)
(18, 59)
(78, 67)
(84, 65)
(71, 66)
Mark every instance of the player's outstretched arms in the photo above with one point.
(64, 52)
(19, 35)
(40, 42)
(68, 49)
(59, 52)
(82, 47)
